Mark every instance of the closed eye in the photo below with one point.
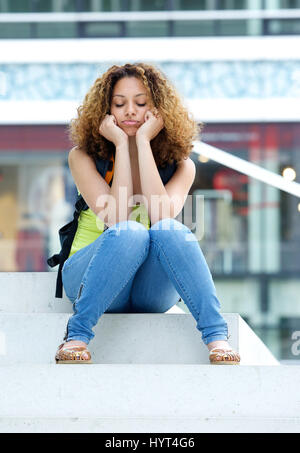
(140, 105)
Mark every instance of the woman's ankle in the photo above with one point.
(220, 344)
(76, 343)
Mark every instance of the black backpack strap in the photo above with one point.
(54, 260)
(64, 254)
(67, 234)
(167, 172)
(59, 283)
(80, 205)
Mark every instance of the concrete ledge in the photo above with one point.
(31, 292)
(34, 292)
(149, 398)
(150, 425)
(125, 338)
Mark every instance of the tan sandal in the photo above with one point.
(219, 356)
(72, 354)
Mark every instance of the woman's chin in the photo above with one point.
(130, 131)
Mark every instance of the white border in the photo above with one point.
(124, 16)
(207, 111)
(129, 50)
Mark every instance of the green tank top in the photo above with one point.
(90, 227)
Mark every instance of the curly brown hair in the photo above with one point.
(174, 141)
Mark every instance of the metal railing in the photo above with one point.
(247, 168)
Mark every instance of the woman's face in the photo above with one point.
(129, 104)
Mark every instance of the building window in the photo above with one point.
(283, 27)
(104, 6)
(233, 4)
(194, 5)
(147, 28)
(56, 30)
(38, 6)
(147, 5)
(17, 30)
(42, 6)
(60, 6)
(232, 27)
(194, 28)
(282, 4)
(101, 29)
(15, 6)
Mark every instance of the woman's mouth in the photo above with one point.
(130, 123)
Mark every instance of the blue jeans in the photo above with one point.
(129, 269)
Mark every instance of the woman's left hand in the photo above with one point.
(151, 127)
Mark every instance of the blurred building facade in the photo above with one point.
(236, 64)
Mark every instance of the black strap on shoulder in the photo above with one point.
(66, 234)
(65, 251)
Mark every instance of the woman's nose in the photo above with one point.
(130, 110)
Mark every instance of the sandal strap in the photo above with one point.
(225, 354)
(221, 350)
(74, 352)
(70, 348)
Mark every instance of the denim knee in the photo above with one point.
(128, 225)
(169, 223)
(131, 231)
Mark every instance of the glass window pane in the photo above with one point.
(99, 29)
(147, 5)
(194, 5)
(232, 27)
(284, 26)
(147, 28)
(42, 6)
(54, 5)
(194, 28)
(56, 30)
(282, 4)
(15, 30)
(64, 5)
(98, 6)
(15, 6)
(289, 3)
(233, 4)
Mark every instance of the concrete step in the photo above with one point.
(149, 398)
(150, 374)
(137, 338)
(31, 292)
(34, 292)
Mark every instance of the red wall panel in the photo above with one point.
(34, 138)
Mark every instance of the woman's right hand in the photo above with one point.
(109, 129)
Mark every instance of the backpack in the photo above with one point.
(67, 232)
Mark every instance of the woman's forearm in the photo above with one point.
(159, 203)
(121, 190)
